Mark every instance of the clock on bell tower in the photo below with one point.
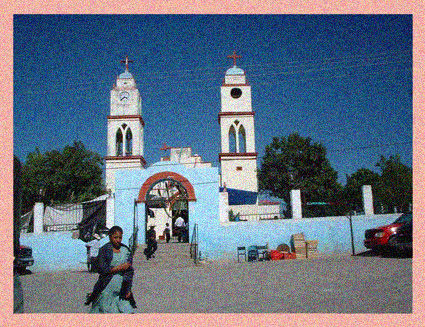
(125, 127)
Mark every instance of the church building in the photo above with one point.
(182, 184)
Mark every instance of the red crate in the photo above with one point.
(287, 256)
(276, 255)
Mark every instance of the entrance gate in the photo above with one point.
(166, 200)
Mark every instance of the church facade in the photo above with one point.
(189, 187)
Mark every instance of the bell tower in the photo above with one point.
(125, 127)
(238, 158)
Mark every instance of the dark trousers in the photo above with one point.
(179, 233)
(151, 248)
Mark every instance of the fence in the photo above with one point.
(87, 217)
(194, 251)
(257, 217)
(62, 217)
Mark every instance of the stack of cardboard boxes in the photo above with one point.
(304, 249)
(311, 248)
(299, 246)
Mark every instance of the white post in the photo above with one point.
(367, 200)
(38, 217)
(296, 204)
(224, 206)
(110, 211)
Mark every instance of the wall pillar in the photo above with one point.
(110, 211)
(367, 200)
(224, 206)
(296, 204)
(38, 217)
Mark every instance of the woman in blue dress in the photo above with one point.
(112, 292)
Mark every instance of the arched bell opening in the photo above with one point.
(128, 142)
(242, 139)
(232, 139)
(119, 143)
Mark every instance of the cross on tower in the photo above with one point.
(126, 61)
(234, 56)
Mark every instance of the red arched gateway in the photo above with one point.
(166, 175)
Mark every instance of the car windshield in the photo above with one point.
(404, 218)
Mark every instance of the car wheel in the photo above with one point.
(391, 248)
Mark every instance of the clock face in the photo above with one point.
(124, 96)
(235, 92)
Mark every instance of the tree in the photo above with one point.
(353, 189)
(396, 183)
(17, 203)
(73, 175)
(297, 163)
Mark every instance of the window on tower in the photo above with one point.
(242, 139)
(119, 143)
(128, 142)
(232, 139)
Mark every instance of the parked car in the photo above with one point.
(402, 244)
(383, 238)
(24, 258)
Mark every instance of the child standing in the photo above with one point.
(167, 233)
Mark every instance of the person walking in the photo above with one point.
(151, 243)
(112, 292)
(180, 226)
(167, 233)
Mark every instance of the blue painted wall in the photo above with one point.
(203, 211)
(55, 251)
(58, 251)
(333, 234)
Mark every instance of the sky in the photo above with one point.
(342, 80)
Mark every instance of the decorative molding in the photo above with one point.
(238, 155)
(235, 113)
(234, 85)
(128, 117)
(123, 158)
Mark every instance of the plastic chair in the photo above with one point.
(242, 252)
(262, 252)
(252, 253)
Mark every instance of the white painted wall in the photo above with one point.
(241, 104)
(112, 165)
(184, 156)
(245, 179)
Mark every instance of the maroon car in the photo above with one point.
(382, 238)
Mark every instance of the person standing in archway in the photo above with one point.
(151, 243)
(180, 227)
(167, 233)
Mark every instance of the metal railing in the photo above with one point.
(60, 227)
(194, 250)
(258, 216)
(132, 242)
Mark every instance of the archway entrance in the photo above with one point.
(166, 196)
